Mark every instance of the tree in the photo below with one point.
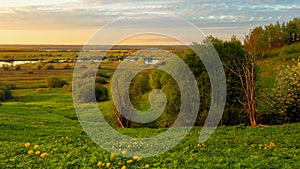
(119, 98)
(256, 42)
(293, 29)
(245, 70)
(5, 92)
(241, 70)
(201, 76)
(101, 93)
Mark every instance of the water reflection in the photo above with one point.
(14, 63)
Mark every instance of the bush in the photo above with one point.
(5, 92)
(2, 95)
(101, 93)
(86, 95)
(287, 92)
(55, 82)
(101, 80)
(102, 74)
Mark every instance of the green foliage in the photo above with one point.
(53, 82)
(287, 92)
(155, 80)
(5, 92)
(101, 93)
(102, 74)
(86, 94)
(233, 56)
(201, 76)
(285, 53)
(172, 92)
(260, 39)
(101, 80)
(138, 87)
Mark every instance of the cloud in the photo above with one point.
(16, 3)
(93, 14)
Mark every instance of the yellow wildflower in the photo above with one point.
(36, 146)
(136, 158)
(30, 152)
(37, 152)
(147, 166)
(107, 164)
(129, 161)
(123, 152)
(27, 144)
(112, 155)
(124, 167)
(44, 155)
(99, 163)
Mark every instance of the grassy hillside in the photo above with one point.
(272, 62)
(48, 120)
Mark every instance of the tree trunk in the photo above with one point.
(245, 70)
(252, 114)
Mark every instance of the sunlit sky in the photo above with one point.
(75, 21)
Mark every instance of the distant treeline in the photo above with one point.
(262, 39)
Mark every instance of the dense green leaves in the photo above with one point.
(260, 39)
(287, 92)
(52, 82)
(5, 92)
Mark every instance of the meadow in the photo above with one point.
(49, 121)
(39, 129)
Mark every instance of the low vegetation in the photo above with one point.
(40, 129)
(5, 92)
(49, 121)
(52, 82)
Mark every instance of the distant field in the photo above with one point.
(33, 78)
(35, 55)
(29, 77)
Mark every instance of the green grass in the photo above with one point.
(28, 77)
(270, 66)
(287, 52)
(47, 119)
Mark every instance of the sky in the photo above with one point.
(76, 21)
